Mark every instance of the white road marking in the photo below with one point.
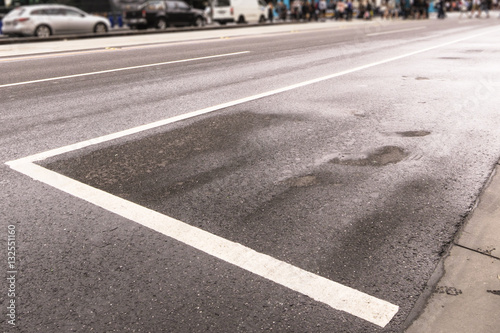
(394, 31)
(323, 290)
(121, 69)
(337, 296)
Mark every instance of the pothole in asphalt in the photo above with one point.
(410, 134)
(303, 181)
(421, 78)
(380, 157)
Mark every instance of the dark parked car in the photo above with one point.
(161, 14)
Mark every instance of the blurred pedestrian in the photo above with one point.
(207, 12)
(348, 10)
(340, 10)
(368, 10)
(485, 8)
(306, 12)
(282, 10)
(464, 7)
(406, 7)
(322, 9)
(475, 8)
(314, 11)
(270, 11)
(440, 8)
(297, 9)
(393, 10)
(383, 9)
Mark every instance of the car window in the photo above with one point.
(222, 3)
(70, 12)
(55, 11)
(39, 12)
(180, 5)
(155, 5)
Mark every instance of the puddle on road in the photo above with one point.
(380, 157)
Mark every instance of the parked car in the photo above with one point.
(161, 14)
(239, 11)
(46, 20)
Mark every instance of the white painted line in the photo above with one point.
(134, 130)
(394, 31)
(337, 296)
(121, 69)
(334, 294)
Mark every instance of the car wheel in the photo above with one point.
(43, 31)
(100, 28)
(161, 23)
(199, 22)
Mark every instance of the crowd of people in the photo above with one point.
(315, 10)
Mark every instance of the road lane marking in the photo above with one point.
(122, 69)
(337, 296)
(54, 55)
(163, 122)
(319, 288)
(394, 31)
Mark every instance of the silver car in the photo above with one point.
(46, 20)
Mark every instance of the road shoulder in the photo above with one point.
(466, 297)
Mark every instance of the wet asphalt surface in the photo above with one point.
(363, 179)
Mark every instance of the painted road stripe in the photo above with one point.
(121, 69)
(394, 31)
(319, 288)
(53, 55)
(337, 296)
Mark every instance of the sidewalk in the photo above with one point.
(467, 297)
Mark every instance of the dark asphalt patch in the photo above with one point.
(268, 181)
(164, 158)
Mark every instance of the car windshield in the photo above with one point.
(222, 3)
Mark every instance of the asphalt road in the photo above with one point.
(352, 152)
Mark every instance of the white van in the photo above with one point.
(239, 11)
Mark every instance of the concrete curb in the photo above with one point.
(466, 297)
